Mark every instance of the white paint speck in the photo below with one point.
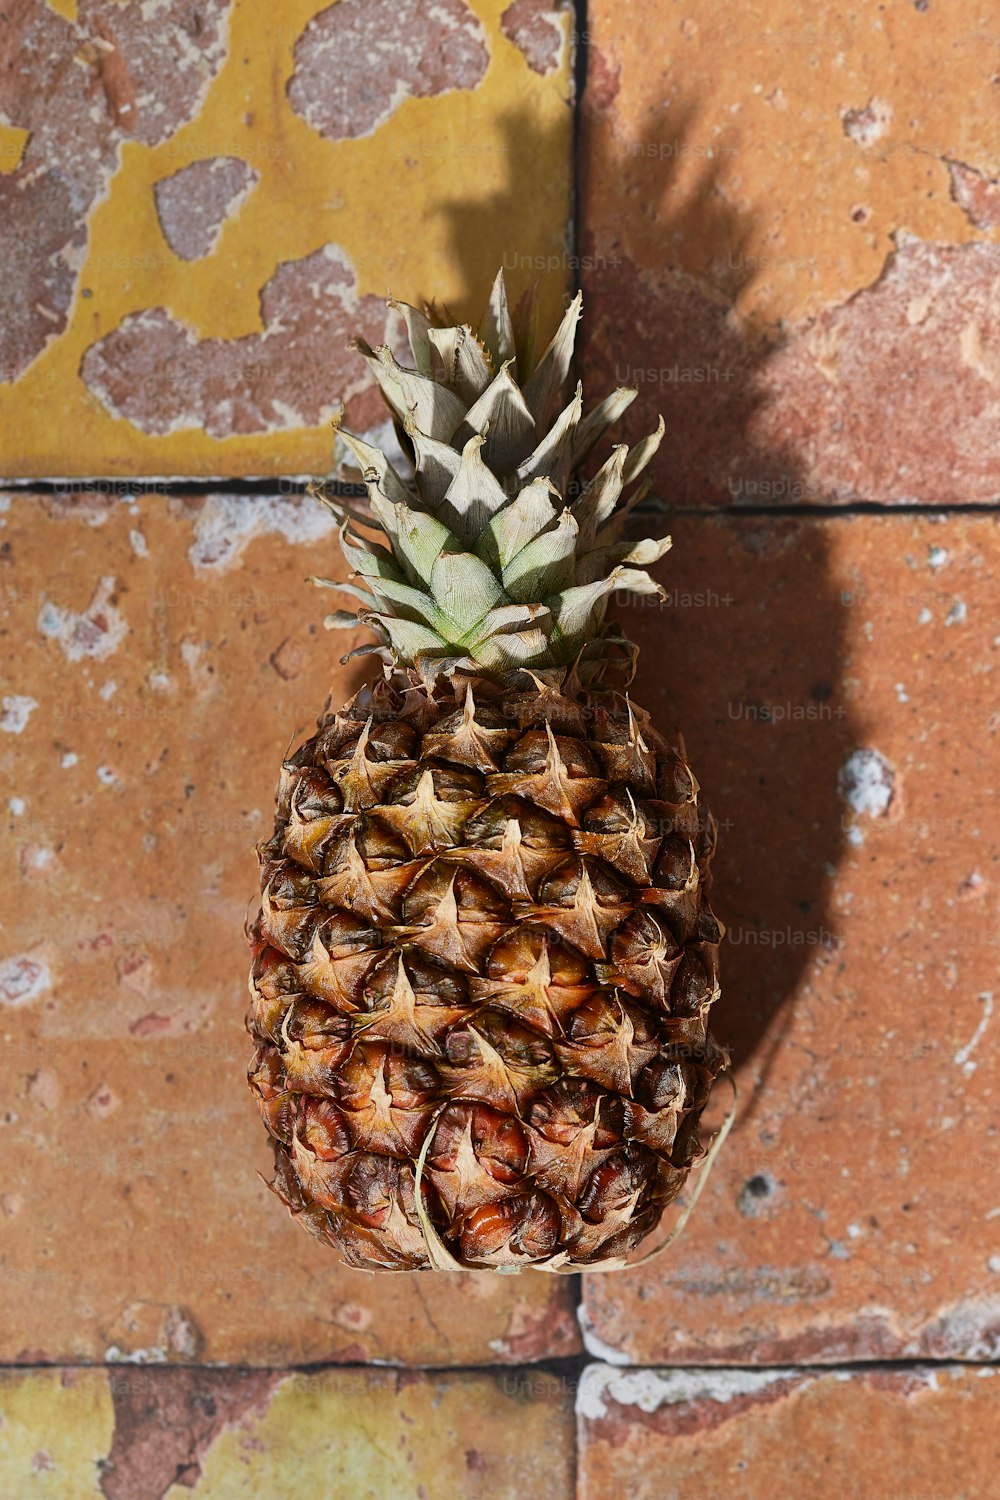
(94, 632)
(69, 759)
(16, 805)
(993, 1265)
(867, 782)
(651, 1389)
(963, 1057)
(138, 542)
(23, 978)
(924, 617)
(226, 523)
(936, 557)
(901, 692)
(958, 613)
(868, 124)
(106, 776)
(854, 1231)
(17, 710)
(109, 689)
(595, 1345)
(113, 1355)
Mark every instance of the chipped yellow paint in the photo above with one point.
(740, 132)
(67, 8)
(427, 205)
(55, 1426)
(12, 143)
(345, 1434)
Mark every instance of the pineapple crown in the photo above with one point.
(492, 556)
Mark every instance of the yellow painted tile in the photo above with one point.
(55, 1427)
(429, 203)
(357, 1434)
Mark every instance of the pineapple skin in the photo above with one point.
(486, 934)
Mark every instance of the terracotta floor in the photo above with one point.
(786, 225)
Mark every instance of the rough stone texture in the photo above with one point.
(155, 372)
(194, 203)
(172, 649)
(836, 685)
(163, 365)
(133, 1434)
(977, 195)
(538, 29)
(356, 62)
(804, 345)
(865, 1434)
(81, 90)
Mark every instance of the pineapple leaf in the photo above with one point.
(575, 610)
(514, 527)
(436, 409)
(553, 455)
(508, 618)
(545, 565)
(596, 423)
(408, 639)
(418, 327)
(463, 364)
(495, 330)
(417, 538)
(600, 497)
(372, 461)
(474, 495)
(525, 648)
(411, 603)
(641, 454)
(436, 463)
(503, 411)
(464, 589)
(541, 390)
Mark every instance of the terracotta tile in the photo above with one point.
(784, 1433)
(160, 655)
(197, 212)
(132, 1434)
(836, 685)
(789, 237)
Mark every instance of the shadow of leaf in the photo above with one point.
(746, 656)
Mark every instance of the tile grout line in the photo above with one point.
(558, 1365)
(235, 486)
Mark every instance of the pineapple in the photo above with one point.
(485, 955)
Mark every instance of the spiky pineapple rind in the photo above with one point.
(485, 960)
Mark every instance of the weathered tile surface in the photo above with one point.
(133, 1434)
(790, 244)
(57, 1426)
(199, 206)
(836, 683)
(688, 1435)
(158, 658)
